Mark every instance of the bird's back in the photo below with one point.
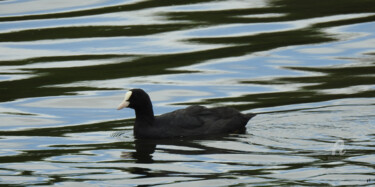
(199, 120)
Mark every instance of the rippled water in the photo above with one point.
(305, 67)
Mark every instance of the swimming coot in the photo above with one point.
(191, 121)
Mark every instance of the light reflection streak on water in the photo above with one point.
(20, 8)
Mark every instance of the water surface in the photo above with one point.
(306, 68)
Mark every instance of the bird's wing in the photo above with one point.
(197, 120)
(184, 118)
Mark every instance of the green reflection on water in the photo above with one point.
(161, 64)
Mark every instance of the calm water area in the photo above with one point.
(306, 67)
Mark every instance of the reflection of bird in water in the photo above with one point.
(144, 148)
(192, 121)
(143, 151)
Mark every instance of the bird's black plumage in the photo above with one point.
(191, 121)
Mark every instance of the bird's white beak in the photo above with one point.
(125, 102)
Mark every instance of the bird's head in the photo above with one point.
(135, 99)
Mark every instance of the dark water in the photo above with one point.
(306, 67)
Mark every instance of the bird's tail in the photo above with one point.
(250, 115)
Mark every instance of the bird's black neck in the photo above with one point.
(144, 120)
(144, 115)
